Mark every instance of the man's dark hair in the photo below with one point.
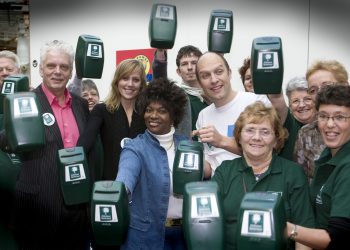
(334, 94)
(187, 51)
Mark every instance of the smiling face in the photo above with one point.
(56, 70)
(157, 118)
(258, 140)
(129, 86)
(334, 133)
(7, 67)
(302, 106)
(91, 95)
(214, 78)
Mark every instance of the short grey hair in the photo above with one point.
(10, 55)
(296, 83)
(57, 45)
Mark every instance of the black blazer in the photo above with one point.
(112, 127)
(40, 217)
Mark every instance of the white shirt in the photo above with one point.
(224, 118)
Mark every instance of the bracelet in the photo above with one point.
(294, 233)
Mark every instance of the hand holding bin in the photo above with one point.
(10, 163)
(188, 164)
(110, 214)
(202, 215)
(13, 84)
(261, 221)
(23, 122)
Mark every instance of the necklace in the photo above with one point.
(260, 173)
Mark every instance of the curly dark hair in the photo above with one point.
(166, 92)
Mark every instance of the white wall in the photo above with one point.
(123, 24)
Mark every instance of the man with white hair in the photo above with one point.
(40, 217)
(9, 65)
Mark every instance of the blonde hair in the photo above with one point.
(125, 68)
(257, 113)
(336, 68)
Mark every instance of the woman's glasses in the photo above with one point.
(264, 133)
(322, 117)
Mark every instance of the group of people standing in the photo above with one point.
(251, 143)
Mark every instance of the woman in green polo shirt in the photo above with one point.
(260, 135)
(330, 188)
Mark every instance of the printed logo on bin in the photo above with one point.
(74, 172)
(95, 50)
(222, 23)
(105, 213)
(164, 11)
(256, 223)
(24, 105)
(267, 60)
(204, 206)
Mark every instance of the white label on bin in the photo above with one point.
(189, 161)
(105, 213)
(256, 223)
(94, 50)
(222, 24)
(268, 60)
(165, 12)
(204, 206)
(24, 107)
(74, 172)
(8, 88)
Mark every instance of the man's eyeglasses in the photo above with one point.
(264, 133)
(314, 89)
(306, 100)
(321, 117)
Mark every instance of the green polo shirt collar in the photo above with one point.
(275, 169)
(326, 156)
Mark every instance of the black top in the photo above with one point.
(113, 127)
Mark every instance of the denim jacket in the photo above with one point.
(144, 169)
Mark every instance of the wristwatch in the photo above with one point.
(294, 233)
